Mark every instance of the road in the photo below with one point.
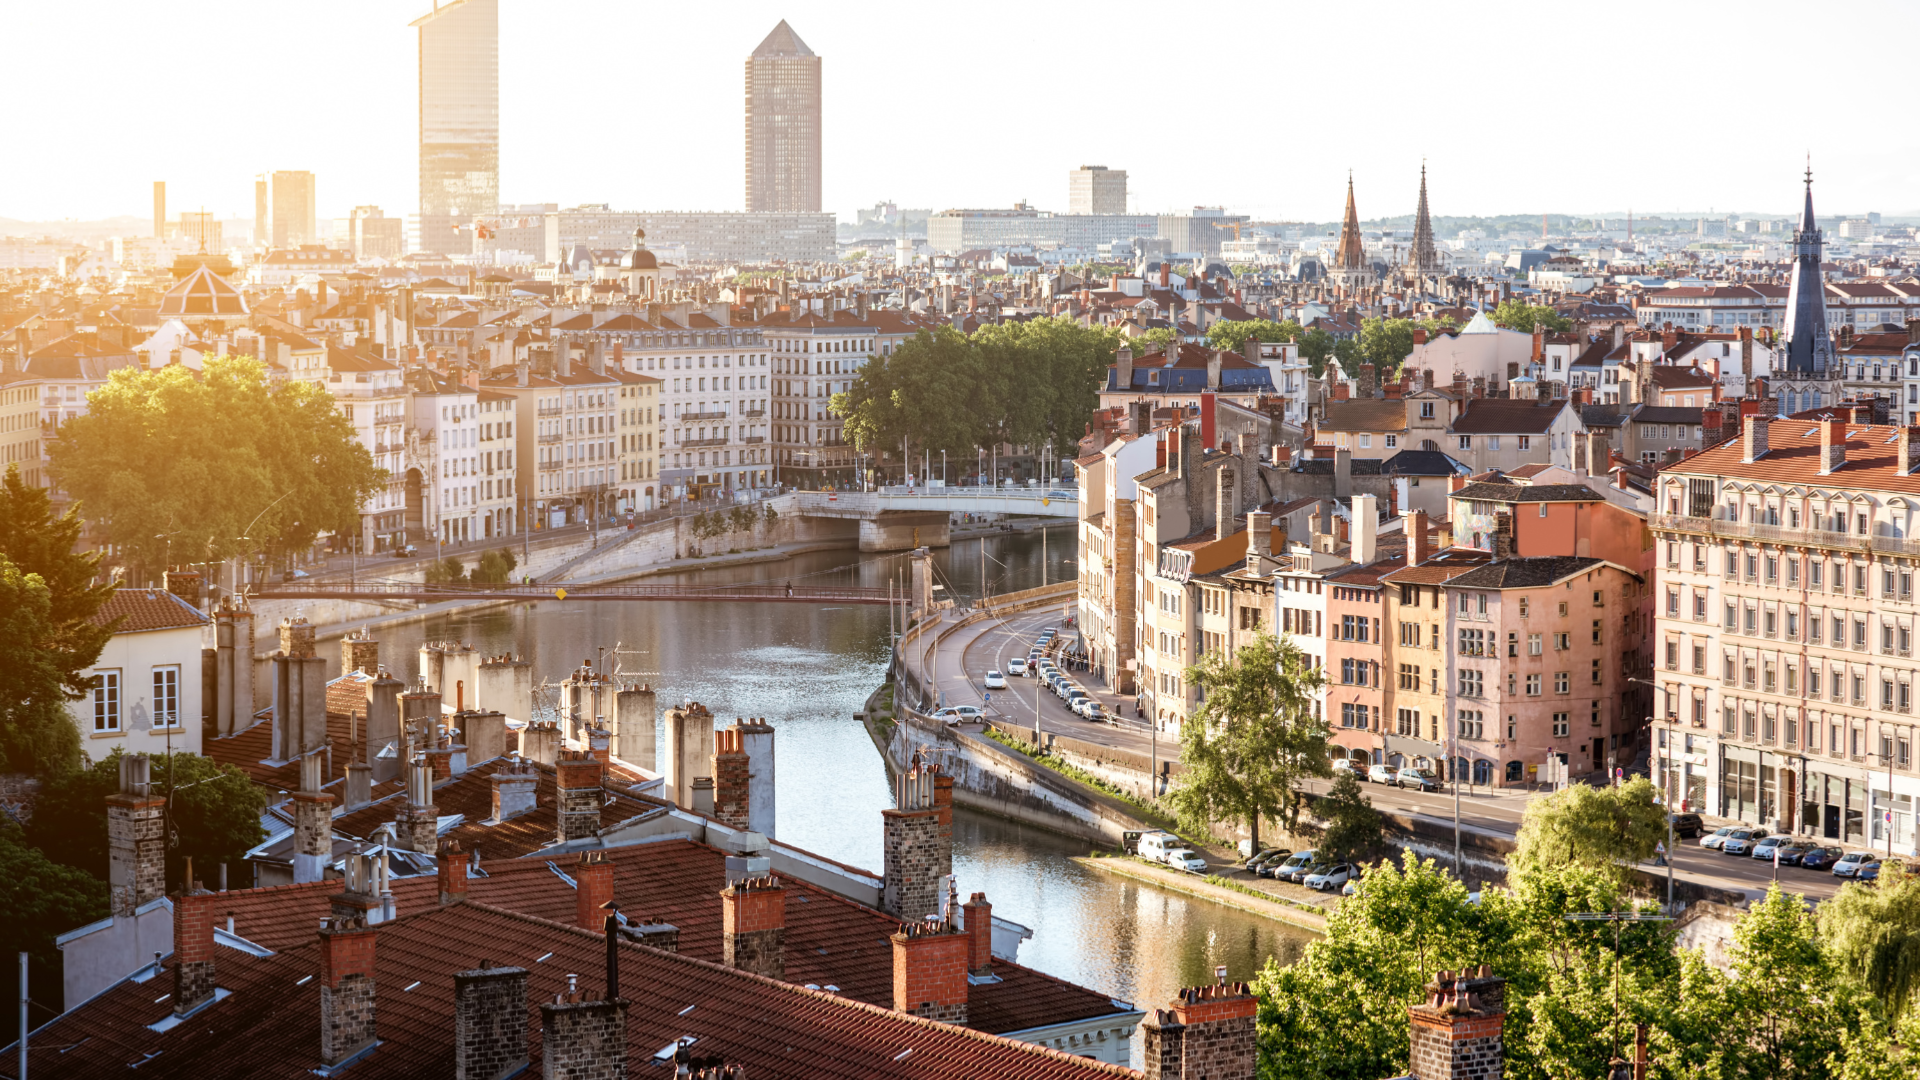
(962, 659)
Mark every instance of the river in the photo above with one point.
(807, 671)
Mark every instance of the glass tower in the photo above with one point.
(459, 121)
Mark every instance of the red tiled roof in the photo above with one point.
(1793, 457)
(471, 794)
(146, 609)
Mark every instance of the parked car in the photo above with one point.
(960, 714)
(1283, 869)
(1016, 666)
(1821, 858)
(1423, 779)
(1764, 849)
(995, 681)
(1351, 887)
(1687, 826)
(1331, 878)
(1792, 851)
(1300, 876)
(1096, 713)
(1851, 863)
(1269, 858)
(1719, 836)
(1871, 872)
(1741, 841)
(1382, 774)
(1344, 765)
(1185, 859)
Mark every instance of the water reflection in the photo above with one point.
(808, 670)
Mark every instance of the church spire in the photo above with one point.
(1809, 349)
(1349, 254)
(1424, 257)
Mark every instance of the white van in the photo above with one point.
(1155, 845)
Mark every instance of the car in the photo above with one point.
(959, 714)
(1080, 706)
(1821, 858)
(1741, 841)
(995, 681)
(1016, 666)
(1185, 859)
(1351, 887)
(1719, 836)
(1344, 765)
(1332, 877)
(1872, 872)
(1299, 877)
(1096, 712)
(1073, 698)
(293, 575)
(1792, 851)
(1851, 863)
(1422, 778)
(1285, 867)
(1764, 849)
(1381, 774)
(1687, 826)
(1267, 858)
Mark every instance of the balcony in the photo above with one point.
(754, 439)
(547, 410)
(753, 412)
(549, 466)
(547, 440)
(710, 415)
(1783, 534)
(704, 442)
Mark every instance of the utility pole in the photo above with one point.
(1453, 766)
(23, 1016)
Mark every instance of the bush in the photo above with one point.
(447, 571)
(496, 567)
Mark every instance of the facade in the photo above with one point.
(444, 448)
(495, 504)
(955, 231)
(1785, 630)
(459, 122)
(1096, 189)
(146, 696)
(783, 125)
(20, 428)
(638, 427)
(753, 237)
(283, 210)
(371, 234)
(372, 395)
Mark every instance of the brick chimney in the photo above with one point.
(346, 989)
(136, 869)
(1753, 441)
(489, 1022)
(1833, 446)
(1908, 440)
(593, 890)
(1416, 528)
(312, 823)
(193, 949)
(979, 922)
(453, 872)
(753, 916)
(577, 775)
(730, 777)
(1456, 1031)
(417, 828)
(514, 785)
(914, 863)
(930, 971)
(583, 1040)
(360, 652)
(1208, 1032)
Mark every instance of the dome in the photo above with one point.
(203, 295)
(640, 258)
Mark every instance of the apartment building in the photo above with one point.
(372, 394)
(1786, 628)
(20, 427)
(563, 439)
(1418, 724)
(815, 356)
(638, 426)
(1356, 627)
(1109, 551)
(445, 463)
(496, 505)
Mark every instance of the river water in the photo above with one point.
(807, 670)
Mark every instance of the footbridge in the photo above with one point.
(757, 593)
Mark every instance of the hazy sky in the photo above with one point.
(1262, 107)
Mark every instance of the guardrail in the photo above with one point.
(409, 590)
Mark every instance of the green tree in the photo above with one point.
(177, 465)
(1150, 340)
(1354, 829)
(43, 899)
(1874, 935)
(39, 543)
(1785, 994)
(1384, 343)
(1254, 738)
(37, 733)
(1605, 827)
(1234, 336)
(1522, 316)
(1347, 353)
(495, 567)
(1316, 347)
(447, 571)
(213, 814)
(768, 515)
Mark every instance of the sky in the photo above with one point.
(1259, 107)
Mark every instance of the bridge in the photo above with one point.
(408, 590)
(896, 520)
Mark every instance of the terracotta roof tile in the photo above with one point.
(146, 609)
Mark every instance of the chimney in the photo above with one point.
(1226, 498)
(360, 652)
(730, 778)
(1208, 1032)
(913, 861)
(1502, 535)
(978, 916)
(540, 742)
(583, 1040)
(1123, 364)
(136, 869)
(417, 828)
(366, 892)
(753, 919)
(1833, 446)
(1213, 369)
(1456, 1029)
(489, 1022)
(312, 822)
(383, 728)
(453, 873)
(577, 775)
(1416, 529)
(193, 949)
(514, 785)
(756, 738)
(1908, 462)
(592, 891)
(1340, 391)
(346, 989)
(1366, 526)
(1259, 534)
(1753, 442)
(930, 971)
(689, 750)
(634, 711)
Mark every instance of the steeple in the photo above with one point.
(1809, 348)
(1349, 255)
(1424, 258)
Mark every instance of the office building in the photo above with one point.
(783, 125)
(544, 232)
(283, 210)
(459, 122)
(159, 209)
(371, 234)
(967, 230)
(1096, 189)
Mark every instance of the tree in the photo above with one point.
(178, 465)
(1157, 338)
(39, 543)
(1384, 343)
(1522, 316)
(1235, 335)
(1316, 346)
(43, 899)
(1354, 828)
(1347, 353)
(1254, 739)
(1785, 994)
(37, 733)
(213, 814)
(495, 567)
(768, 515)
(1603, 827)
(447, 571)
(1874, 935)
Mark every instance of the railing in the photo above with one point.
(547, 410)
(754, 439)
(754, 412)
(721, 415)
(549, 466)
(1785, 534)
(846, 594)
(702, 442)
(547, 440)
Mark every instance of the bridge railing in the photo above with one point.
(746, 591)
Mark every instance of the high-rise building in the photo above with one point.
(1096, 189)
(459, 122)
(283, 210)
(372, 234)
(783, 125)
(159, 209)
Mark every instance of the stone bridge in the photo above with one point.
(897, 521)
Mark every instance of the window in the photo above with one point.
(106, 700)
(1426, 410)
(1561, 724)
(1562, 682)
(1523, 607)
(166, 697)
(1393, 441)
(1533, 644)
(1673, 601)
(1466, 442)
(1493, 442)
(1596, 673)
(1409, 676)
(1470, 685)
(1526, 442)
(1533, 685)
(1471, 725)
(1347, 669)
(1473, 643)
(1513, 644)
(1596, 631)
(1562, 642)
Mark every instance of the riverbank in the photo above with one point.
(1276, 908)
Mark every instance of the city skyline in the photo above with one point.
(560, 143)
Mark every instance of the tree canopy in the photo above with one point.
(37, 733)
(1254, 738)
(184, 466)
(36, 541)
(213, 812)
(1234, 335)
(1522, 316)
(1384, 343)
(1600, 827)
(43, 899)
(1354, 828)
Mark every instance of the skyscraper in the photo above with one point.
(283, 210)
(459, 121)
(783, 124)
(1096, 189)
